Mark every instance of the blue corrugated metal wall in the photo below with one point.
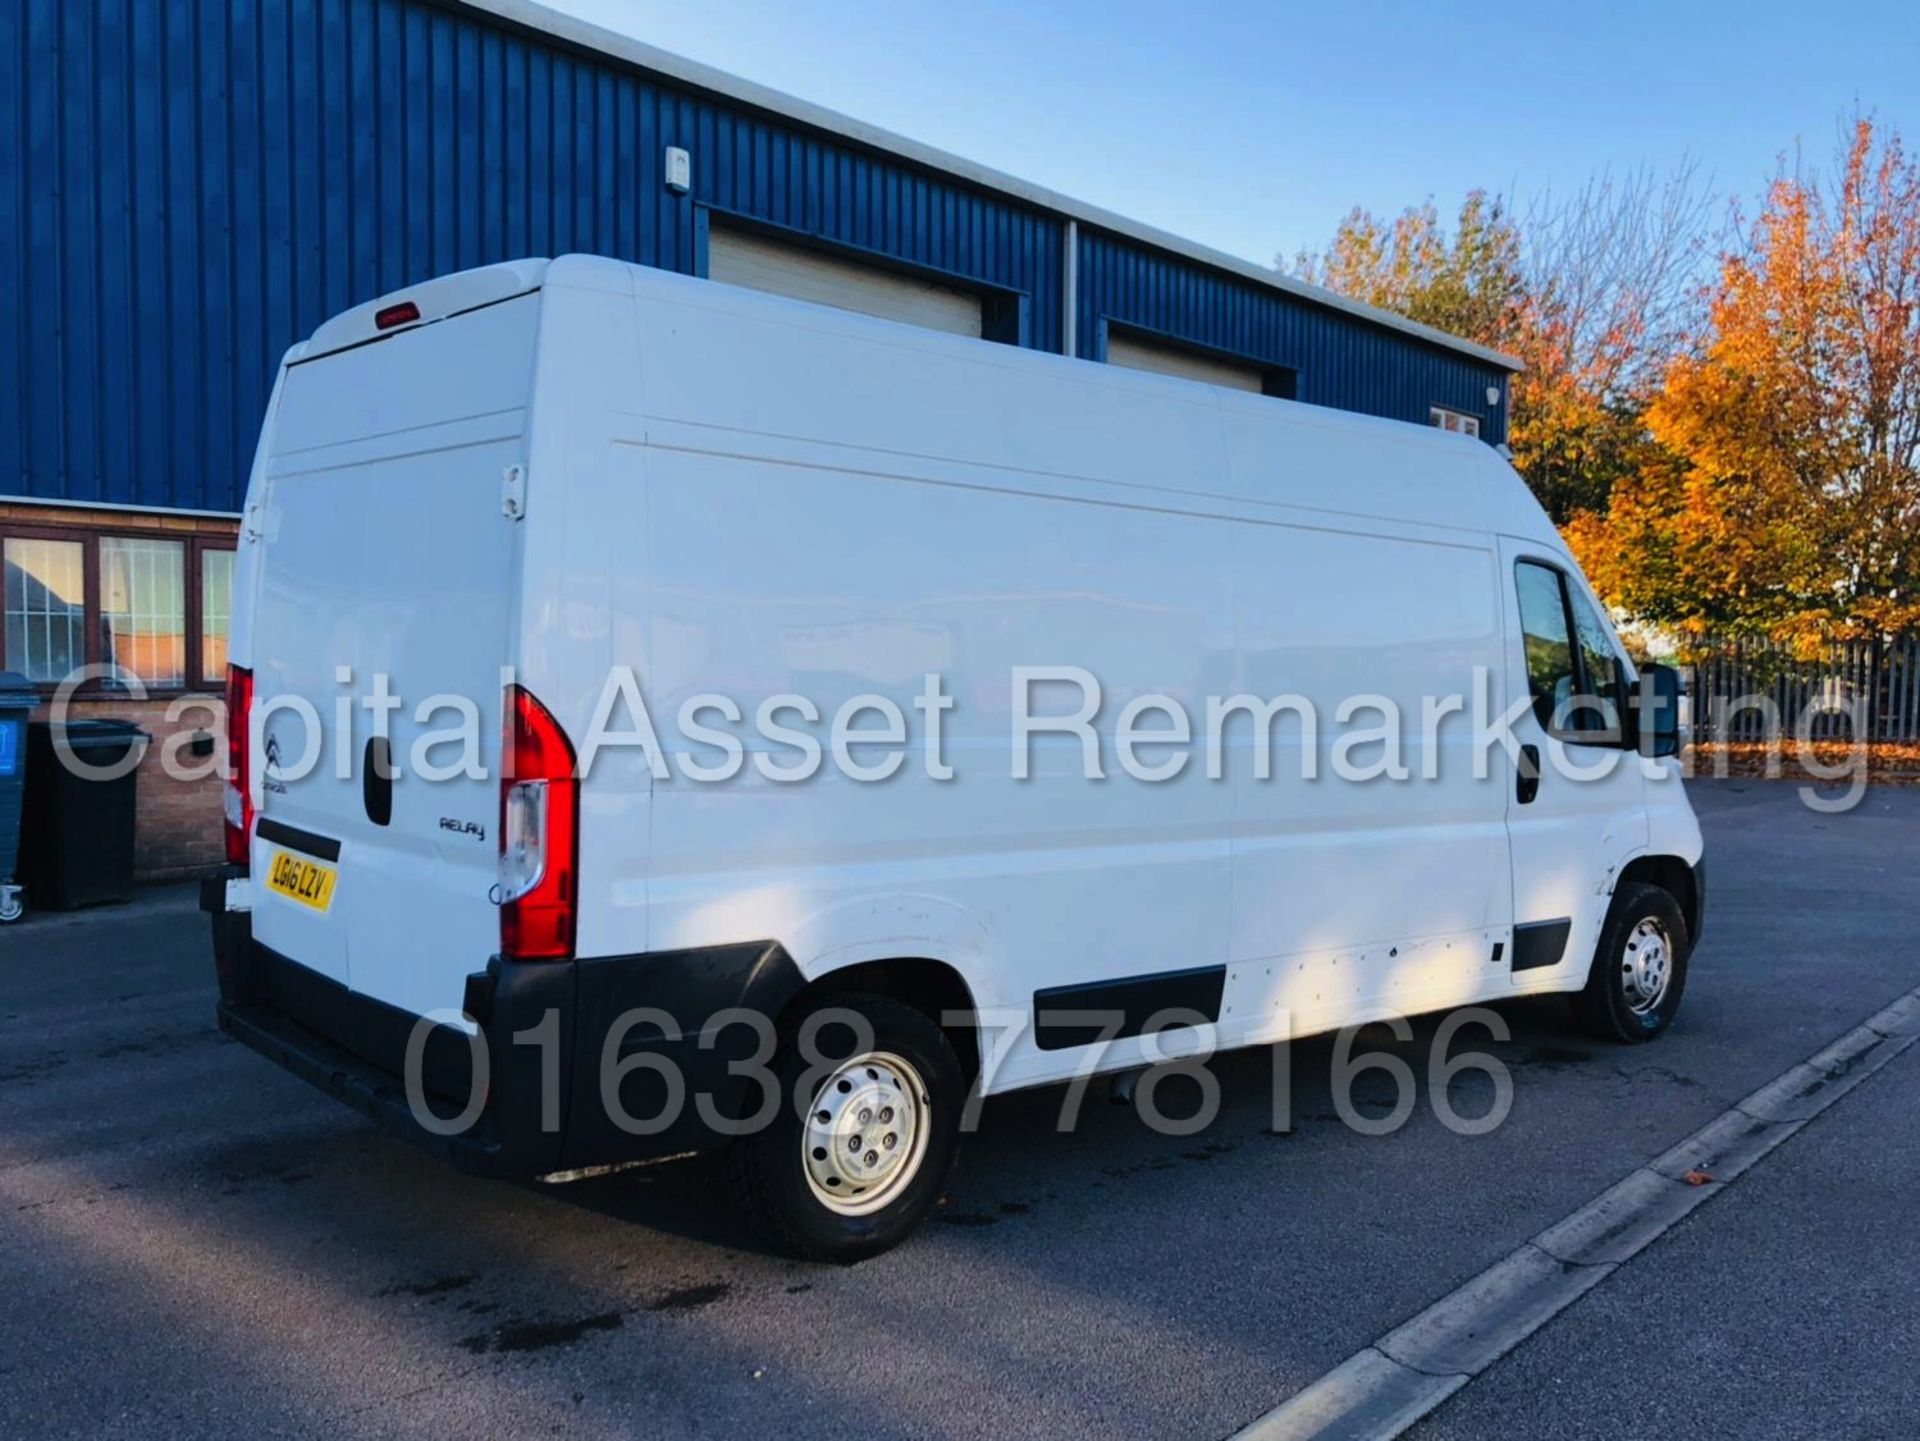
(189, 186)
(1340, 360)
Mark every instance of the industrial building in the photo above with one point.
(187, 187)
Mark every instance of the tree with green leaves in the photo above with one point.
(1467, 282)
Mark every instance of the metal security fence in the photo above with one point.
(1750, 688)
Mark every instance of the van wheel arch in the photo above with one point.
(1675, 877)
(932, 987)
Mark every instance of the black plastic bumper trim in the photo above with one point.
(1133, 1000)
(367, 1089)
(538, 1116)
(1539, 944)
(354, 1047)
(695, 990)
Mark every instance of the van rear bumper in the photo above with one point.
(545, 1095)
(373, 1092)
(355, 1049)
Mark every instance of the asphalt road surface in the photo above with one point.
(193, 1242)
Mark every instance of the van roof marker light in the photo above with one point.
(405, 313)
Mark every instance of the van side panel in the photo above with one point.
(1061, 881)
(825, 513)
(889, 539)
(1370, 894)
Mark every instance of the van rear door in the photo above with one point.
(382, 618)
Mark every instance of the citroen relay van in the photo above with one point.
(667, 717)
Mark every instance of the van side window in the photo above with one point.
(1606, 679)
(1573, 672)
(1543, 623)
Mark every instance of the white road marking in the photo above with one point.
(1404, 1375)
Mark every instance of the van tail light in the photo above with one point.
(539, 834)
(237, 799)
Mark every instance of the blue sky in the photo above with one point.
(1255, 127)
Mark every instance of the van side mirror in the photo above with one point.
(1656, 708)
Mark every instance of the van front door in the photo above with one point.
(1577, 808)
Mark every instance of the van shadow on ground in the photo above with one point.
(1019, 1135)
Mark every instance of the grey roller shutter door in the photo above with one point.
(758, 263)
(1138, 354)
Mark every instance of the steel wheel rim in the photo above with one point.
(866, 1133)
(1646, 967)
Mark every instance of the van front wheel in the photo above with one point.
(866, 1133)
(1640, 969)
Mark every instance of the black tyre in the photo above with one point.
(1640, 968)
(855, 1171)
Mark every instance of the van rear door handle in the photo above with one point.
(376, 781)
(1526, 783)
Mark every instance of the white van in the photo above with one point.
(583, 495)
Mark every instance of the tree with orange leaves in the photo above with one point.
(1785, 492)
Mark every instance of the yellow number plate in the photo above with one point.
(302, 880)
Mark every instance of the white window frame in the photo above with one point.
(1456, 420)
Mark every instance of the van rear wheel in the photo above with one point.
(866, 1133)
(1639, 969)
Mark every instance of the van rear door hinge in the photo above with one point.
(513, 492)
(260, 521)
